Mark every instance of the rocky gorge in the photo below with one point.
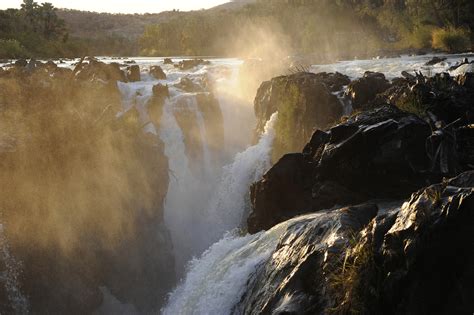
(354, 195)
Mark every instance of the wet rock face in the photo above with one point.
(426, 259)
(364, 90)
(417, 258)
(304, 103)
(289, 177)
(376, 154)
(295, 279)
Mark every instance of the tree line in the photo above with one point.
(341, 28)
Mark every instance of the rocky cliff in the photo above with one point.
(83, 191)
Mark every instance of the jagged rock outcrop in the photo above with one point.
(422, 260)
(364, 90)
(157, 73)
(441, 98)
(417, 258)
(133, 73)
(304, 103)
(375, 154)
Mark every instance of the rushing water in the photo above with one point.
(207, 198)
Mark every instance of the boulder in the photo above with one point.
(168, 61)
(364, 90)
(304, 104)
(334, 81)
(297, 276)
(440, 98)
(435, 61)
(96, 70)
(425, 263)
(133, 73)
(373, 258)
(155, 105)
(157, 73)
(191, 63)
(188, 85)
(376, 154)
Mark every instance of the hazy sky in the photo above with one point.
(123, 6)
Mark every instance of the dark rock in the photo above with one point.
(96, 70)
(191, 63)
(364, 90)
(417, 258)
(304, 103)
(334, 81)
(155, 105)
(21, 63)
(466, 80)
(168, 61)
(157, 73)
(376, 154)
(430, 248)
(160, 90)
(435, 61)
(439, 98)
(133, 73)
(188, 85)
(294, 280)
(288, 177)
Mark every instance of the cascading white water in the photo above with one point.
(9, 276)
(216, 282)
(185, 191)
(194, 217)
(231, 201)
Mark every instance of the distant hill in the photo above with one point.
(233, 5)
(85, 24)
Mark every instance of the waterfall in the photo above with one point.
(216, 282)
(185, 191)
(231, 202)
(9, 276)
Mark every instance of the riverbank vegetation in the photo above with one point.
(320, 28)
(323, 28)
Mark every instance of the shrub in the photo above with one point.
(421, 37)
(11, 48)
(451, 39)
